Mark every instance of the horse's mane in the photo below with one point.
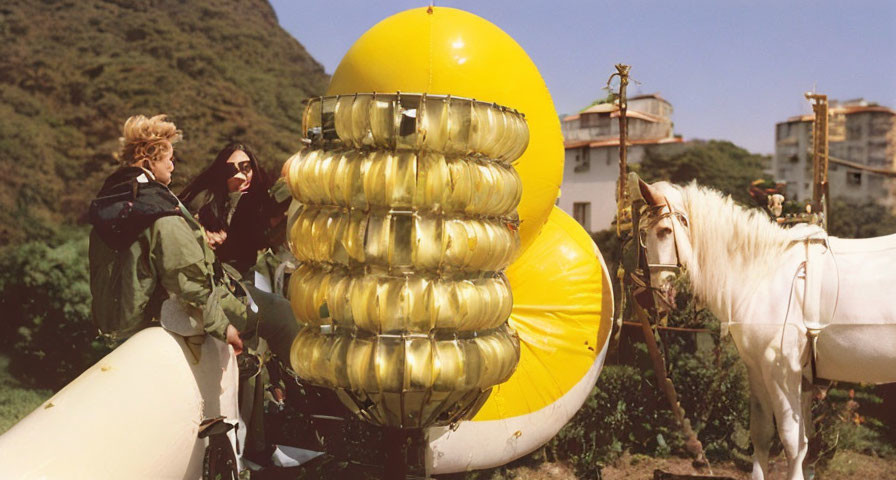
(732, 246)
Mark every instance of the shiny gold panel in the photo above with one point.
(434, 123)
(347, 359)
(406, 221)
(402, 240)
(426, 182)
(383, 303)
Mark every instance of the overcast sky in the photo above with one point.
(730, 68)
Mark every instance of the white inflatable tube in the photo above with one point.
(135, 414)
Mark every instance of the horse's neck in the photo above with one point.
(729, 268)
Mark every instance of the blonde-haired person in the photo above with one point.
(145, 247)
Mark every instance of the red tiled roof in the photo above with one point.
(860, 109)
(649, 95)
(614, 142)
(601, 108)
(801, 118)
(809, 117)
(636, 114)
(615, 114)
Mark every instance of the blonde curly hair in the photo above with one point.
(143, 139)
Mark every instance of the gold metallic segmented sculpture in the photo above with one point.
(407, 221)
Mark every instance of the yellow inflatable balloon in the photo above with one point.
(440, 50)
(563, 306)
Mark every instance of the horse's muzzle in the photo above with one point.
(665, 295)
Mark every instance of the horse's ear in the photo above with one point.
(651, 196)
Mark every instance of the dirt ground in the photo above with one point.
(845, 465)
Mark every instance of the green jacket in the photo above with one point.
(168, 256)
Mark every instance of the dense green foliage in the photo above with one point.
(70, 74)
(72, 71)
(627, 412)
(850, 220)
(45, 297)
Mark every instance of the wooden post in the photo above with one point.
(820, 201)
(626, 230)
(624, 214)
(622, 202)
(692, 444)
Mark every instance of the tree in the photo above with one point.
(852, 220)
(718, 164)
(45, 298)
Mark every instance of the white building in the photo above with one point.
(860, 133)
(591, 167)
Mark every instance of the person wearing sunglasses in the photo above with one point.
(234, 205)
(231, 201)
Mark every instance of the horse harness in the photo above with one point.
(655, 214)
(810, 271)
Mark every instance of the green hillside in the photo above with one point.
(72, 71)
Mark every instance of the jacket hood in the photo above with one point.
(127, 204)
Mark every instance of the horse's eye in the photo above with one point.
(663, 232)
(683, 220)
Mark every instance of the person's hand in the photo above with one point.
(215, 239)
(232, 335)
(278, 395)
(237, 183)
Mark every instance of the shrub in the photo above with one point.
(628, 412)
(45, 297)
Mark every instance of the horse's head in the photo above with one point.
(664, 234)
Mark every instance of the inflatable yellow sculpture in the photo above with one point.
(390, 128)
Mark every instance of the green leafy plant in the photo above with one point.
(45, 297)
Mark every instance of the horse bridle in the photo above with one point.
(654, 215)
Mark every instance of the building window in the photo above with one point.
(783, 131)
(581, 212)
(854, 178)
(589, 120)
(583, 161)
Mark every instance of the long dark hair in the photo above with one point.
(246, 231)
(214, 178)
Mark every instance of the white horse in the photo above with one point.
(779, 292)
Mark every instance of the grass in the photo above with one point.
(848, 464)
(16, 400)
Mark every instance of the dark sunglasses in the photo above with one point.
(243, 167)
